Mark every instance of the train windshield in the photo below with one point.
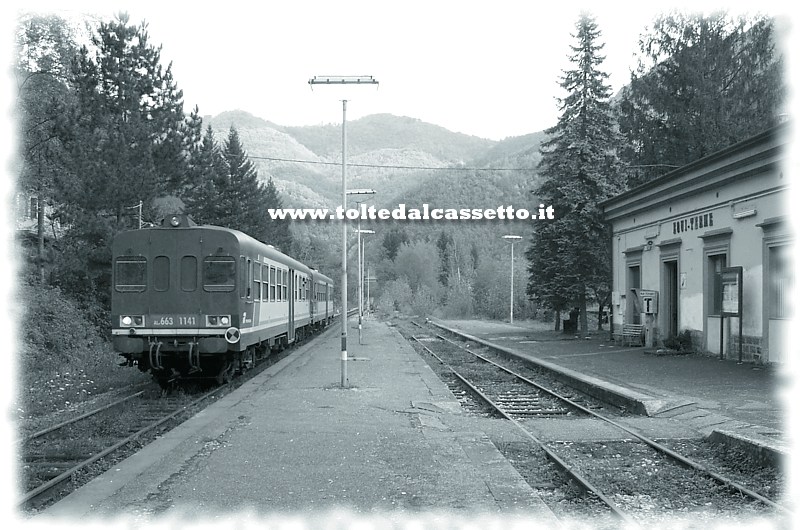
(219, 273)
(131, 274)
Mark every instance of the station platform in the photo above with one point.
(293, 442)
(744, 404)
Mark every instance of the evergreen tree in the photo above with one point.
(237, 198)
(392, 241)
(120, 134)
(123, 135)
(238, 188)
(276, 231)
(569, 256)
(445, 246)
(703, 83)
(206, 173)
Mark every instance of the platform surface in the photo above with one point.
(293, 442)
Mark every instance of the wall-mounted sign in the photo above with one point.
(694, 222)
(648, 301)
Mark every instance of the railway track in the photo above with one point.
(55, 458)
(517, 398)
(60, 458)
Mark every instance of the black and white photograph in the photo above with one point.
(399, 265)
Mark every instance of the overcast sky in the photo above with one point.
(488, 69)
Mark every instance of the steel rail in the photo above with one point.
(81, 417)
(652, 443)
(580, 479)
(52, 483)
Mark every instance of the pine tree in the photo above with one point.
(569, 257)
(123, 135)
(276, 231)
(120, 133)
(704, 82)
(238, 189)
(206, 172)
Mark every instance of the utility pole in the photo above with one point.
(343, 80)
(139, 207)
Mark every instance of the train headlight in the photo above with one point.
(218, 320)
(136, 321)
(175, 220)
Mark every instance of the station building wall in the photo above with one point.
(672, 236)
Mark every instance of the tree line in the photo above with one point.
(105, 144)
(703, 82)
(103, 130)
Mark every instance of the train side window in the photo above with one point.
(285, 286)
(219, 274)
(188, 273)
(265, 283)
(256, 281)
(131, 274)
(161, 273)
(272, 284)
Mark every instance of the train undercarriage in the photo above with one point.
(177, 362)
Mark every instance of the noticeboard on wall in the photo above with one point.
(731, 291)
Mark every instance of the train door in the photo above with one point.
(292, 296)
(163, 248)
(313, 295)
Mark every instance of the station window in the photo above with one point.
(716, 263)
(219, 274)
(161, 273)
(188, 273)
(131, 274)
(780, 281)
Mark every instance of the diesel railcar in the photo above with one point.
(200, 302)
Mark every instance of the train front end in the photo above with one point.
(174, 301)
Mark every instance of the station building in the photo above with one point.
(706, 249)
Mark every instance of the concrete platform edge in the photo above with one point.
(604, 390)
(152, 460)
(762, 449)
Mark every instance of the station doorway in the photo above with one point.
(670, 298)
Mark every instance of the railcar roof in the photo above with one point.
(244, 240)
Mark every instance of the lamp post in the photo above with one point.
(368, 279)
(343, 80)
(512, 240)
(360, 269)
(361, 258)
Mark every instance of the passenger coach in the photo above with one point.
(192, 301)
